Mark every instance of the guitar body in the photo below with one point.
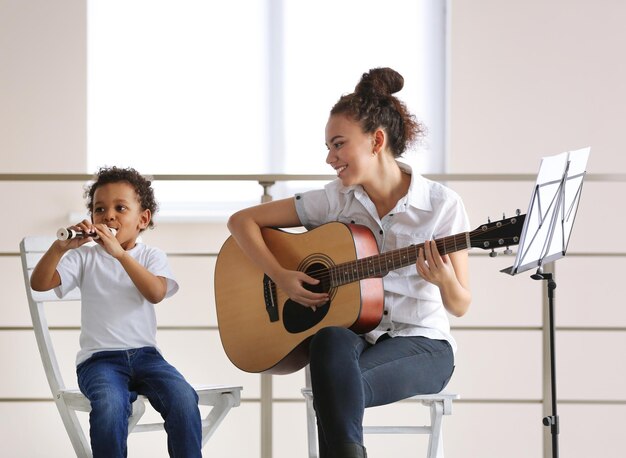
(262, 330)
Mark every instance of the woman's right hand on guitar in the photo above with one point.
(291, 283)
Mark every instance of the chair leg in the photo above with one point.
(439, 406)
(74, 430)
(435, 441)
(311, 426)
(139, 408)
(218, 412)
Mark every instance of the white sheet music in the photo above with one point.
(552, 210)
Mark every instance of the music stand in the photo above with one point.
(546, 235)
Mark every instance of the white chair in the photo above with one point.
(221, 397)
(440, 404)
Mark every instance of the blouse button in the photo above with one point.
(381, 232)
(385, 312)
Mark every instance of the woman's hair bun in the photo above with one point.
(382, 81)
(373, 106)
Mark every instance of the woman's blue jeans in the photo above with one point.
(111, 380)
(348, 374)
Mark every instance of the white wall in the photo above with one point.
(527, 80)
(535, 78)
(532, 79)
(43, 86)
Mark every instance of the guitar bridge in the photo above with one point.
(269, 293)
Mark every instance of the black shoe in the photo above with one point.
(350, 451)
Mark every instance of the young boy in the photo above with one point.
(120, 281)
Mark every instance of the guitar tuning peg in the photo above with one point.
(503, 215)
(493, 253)
(508, 251)
(518, 212)
(488, 219)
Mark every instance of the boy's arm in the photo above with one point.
(45, 275)
(152, 287)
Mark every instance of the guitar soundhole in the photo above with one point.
(298, 318)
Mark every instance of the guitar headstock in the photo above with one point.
(497, 234)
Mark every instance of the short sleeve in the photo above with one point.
(455, 219)
(157, 264)
(313, 208)
(70, 269)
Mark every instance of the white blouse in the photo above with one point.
(413, 306)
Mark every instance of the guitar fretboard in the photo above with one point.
(381, 264)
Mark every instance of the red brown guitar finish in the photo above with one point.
(251, 340)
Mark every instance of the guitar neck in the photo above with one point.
(381, 264)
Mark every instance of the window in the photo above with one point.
(245, 86)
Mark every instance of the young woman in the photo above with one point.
(411, 351)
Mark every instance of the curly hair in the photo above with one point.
(141, 184)
(373, 105)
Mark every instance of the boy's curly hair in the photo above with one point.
(142, 185)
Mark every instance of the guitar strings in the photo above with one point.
(372, 266)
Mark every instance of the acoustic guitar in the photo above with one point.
(262, 330)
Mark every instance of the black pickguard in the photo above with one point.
(298, 318)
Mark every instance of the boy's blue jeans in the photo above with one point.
(111, 380)
(349, 374)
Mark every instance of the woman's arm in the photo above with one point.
(450, 273)
(246, 225)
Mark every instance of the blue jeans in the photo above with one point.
(349, 374)
(111, 380)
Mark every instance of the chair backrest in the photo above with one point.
(31, 250)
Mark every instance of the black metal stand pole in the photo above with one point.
(552, 420)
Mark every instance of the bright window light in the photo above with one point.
(244, 86)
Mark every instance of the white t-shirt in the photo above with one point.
(413, 306)
(114, 314)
